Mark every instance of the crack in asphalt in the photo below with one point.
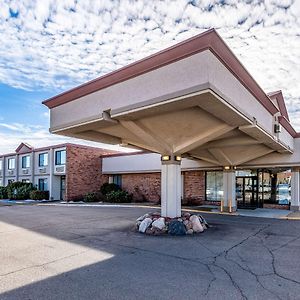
(274, 267)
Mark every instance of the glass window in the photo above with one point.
(26, 162)
(275, 186)
(1, 164)
(25, 180)
(10, 181)
(11, 163)
(60, 157)
(43, 184)
(43, 159)
(117, 179)
(214, 186)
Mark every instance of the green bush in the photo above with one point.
(93, 197)
(3, 192)
(19, 190)
(39, 195)
(119, 196)
(109, 187)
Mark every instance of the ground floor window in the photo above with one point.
(10, 181)
(275, 186)
(214, 185)
(43, 184)
(117, 179)
(25, 180)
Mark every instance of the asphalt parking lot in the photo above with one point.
(50, 252)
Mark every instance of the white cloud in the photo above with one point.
(13, 134)
(57, 44)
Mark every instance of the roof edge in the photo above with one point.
(208, 40)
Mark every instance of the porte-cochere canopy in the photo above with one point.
(194, 99)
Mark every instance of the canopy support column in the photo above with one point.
(229, 183)
(171, 186)
(295, 189)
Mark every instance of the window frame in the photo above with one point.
(117, 179)
(25, 159)
(58, 157)
(8, 163)
(43, 184)
(43, 154)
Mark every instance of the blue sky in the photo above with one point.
(52, 45)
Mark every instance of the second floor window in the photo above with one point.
(26, 162)
(43, 159)
(60, 157)
(1, 164)
(11, 163)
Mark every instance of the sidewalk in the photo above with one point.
(208, 209)
(7, 202)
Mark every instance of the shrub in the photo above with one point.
(3, 192)
(39, 195)
(93, 197)
(19, 190)
(109, 187)
(119, 196)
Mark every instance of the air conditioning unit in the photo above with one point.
(277, 128)
(25, 171)
(60, 169)
(10, 172)
(42, 170)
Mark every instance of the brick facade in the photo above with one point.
(144, 187)
(83, 173)
(194, 187)
(147, 187)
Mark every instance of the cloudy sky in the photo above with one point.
(52, 45)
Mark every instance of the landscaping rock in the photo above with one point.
(159, 223)
(203, 221)
(145, 224)
(188, 224)
(154, 224)
(176, 228)
(186, 215)
(143, 217)
(197, 227)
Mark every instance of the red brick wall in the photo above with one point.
(194, 187)
(147, 187)
(83, 171)
(144, 187)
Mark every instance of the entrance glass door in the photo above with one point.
(247, 191)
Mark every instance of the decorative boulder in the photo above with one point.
(197, 227)
(190, 231)
(145, 224)
(203, 222)
(188, 224)
(143, 217)
(186, 215)
(177, 228)
(159, 223)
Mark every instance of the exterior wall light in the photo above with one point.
(227, 168)
(165, 157)
(178, 158)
